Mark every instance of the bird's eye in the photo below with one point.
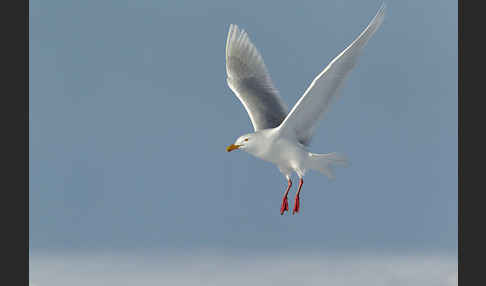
(246, 139)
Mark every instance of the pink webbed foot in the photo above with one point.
(285, 205)
(297, 198)
(296, 204)
(285, 201)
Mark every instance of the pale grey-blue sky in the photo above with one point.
(130, 116)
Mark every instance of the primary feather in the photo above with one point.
(248, 77)
(304, 116)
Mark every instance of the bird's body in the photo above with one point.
(282, 137)
(289, 155)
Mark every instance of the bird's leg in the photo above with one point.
(285, 202)
(297, 199)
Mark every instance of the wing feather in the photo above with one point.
(304, 116)
(248, 78)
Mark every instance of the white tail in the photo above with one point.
(324, 163)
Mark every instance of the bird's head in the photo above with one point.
(244, 142)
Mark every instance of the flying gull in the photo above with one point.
(282, 137)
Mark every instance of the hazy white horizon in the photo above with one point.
(222, 269)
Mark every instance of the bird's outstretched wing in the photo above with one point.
(250, 81)
(302, 119)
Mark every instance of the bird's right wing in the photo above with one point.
(248, 77)
(302, 119)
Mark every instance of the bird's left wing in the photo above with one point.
(302, 119)
(248, 77)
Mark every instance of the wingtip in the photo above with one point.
(233, 28)
(382, 9)
(380, 15)
(235, 31)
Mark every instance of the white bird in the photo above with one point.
(282, 138)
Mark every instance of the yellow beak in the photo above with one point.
(232, 147)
